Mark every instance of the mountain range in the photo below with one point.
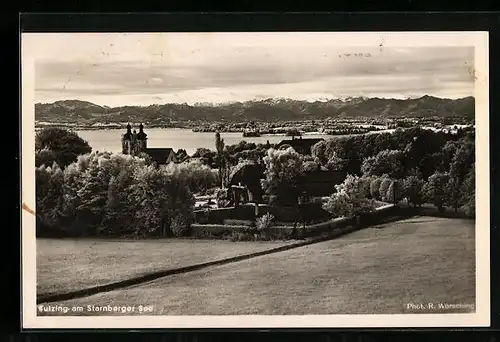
(82, 112)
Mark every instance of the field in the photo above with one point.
(376, 270)
(68, 265)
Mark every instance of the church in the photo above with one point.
(135, 143)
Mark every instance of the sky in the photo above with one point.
(143, 69)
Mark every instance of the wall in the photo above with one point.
(339, 225)
(308, 212)
(217, 216)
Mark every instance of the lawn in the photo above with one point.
(376, 270)
(65, 265)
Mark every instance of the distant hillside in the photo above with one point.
(74, 111)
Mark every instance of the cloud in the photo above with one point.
(235, 71)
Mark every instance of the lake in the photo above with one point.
(176, 138)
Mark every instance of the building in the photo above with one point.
(315, 183)
(302, 146)
(162, 155)
(321, 182)
(135, 143)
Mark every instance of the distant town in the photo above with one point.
(330, 126)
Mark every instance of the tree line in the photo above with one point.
(79, 192)
(420, 165)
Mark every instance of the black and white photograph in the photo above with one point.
(270, 179)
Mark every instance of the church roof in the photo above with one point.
(159, 155)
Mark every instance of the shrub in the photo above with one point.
(283, 172)
(366, 185)
(179, 225)
(435, 189)
(468, 191)
(384, 186)
(349, 198)
(412, 190)
(197, 176)
(224, 198)
(111, 194)
(236, 236)
(385, 162)
(65, 146)
(264, 222)
(374, 188)
(394, 192)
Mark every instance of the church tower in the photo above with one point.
(127, 147)
(142, 139)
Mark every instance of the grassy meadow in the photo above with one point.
(378, 270)
(65, 265)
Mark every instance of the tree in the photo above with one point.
(385, 162)
(92, 195)
(335, 163)
(460, 166)
(366, 182)
(197, 176)
(374, 188)
(65, 145)
(462, 160)
(384, 186)
(282, 175)
(157, 197)
(49, 199)
(445, 156)
(468, 192)
(394, 192)
(318, 151)
(119, 214)
(310, 166)
(435, 189)
(453, 193)
(45, 157)
(222, 160)
(349, 199)
(412, 190)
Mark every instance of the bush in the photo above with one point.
(412, 190)
(374, 188)
(366, 185)
(385, 162)
(45, 157)
(179, 225)
(224, 198)
(110, 194)
(395, 192)
(283, 172)
(349, 198)
(435, 190)
(197, 176)
(236, 236)
(65, 146)
(468, 191)
(264, 222)
(384, 186)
